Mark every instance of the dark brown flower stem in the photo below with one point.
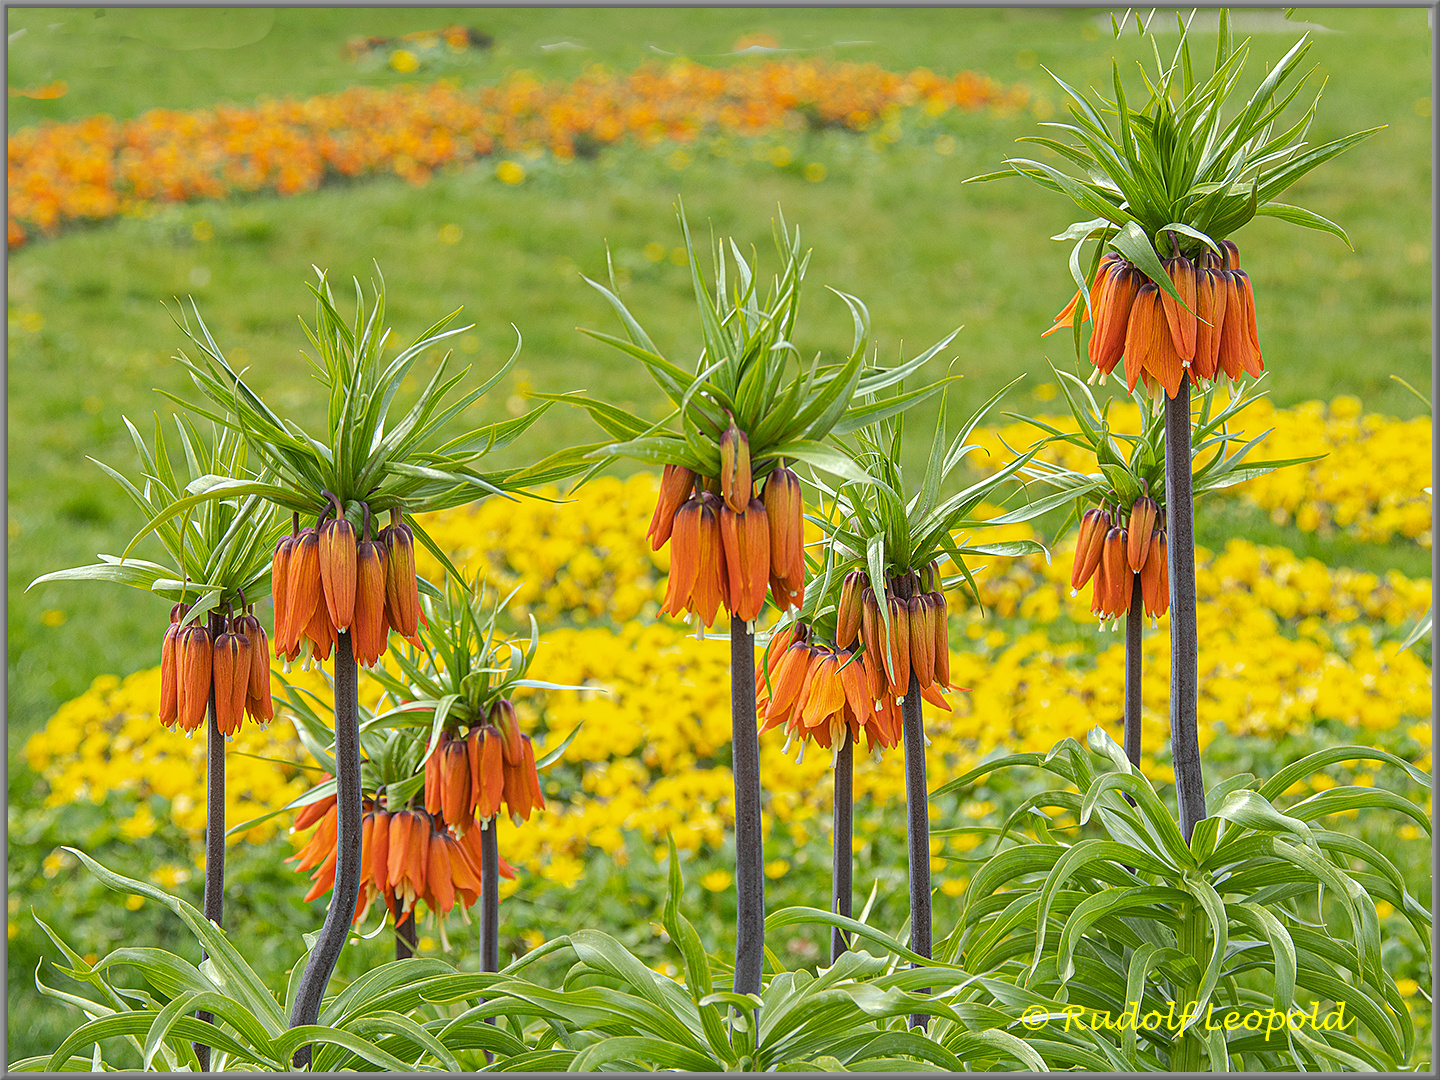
(842, 861)
(489, 898)
(1184, 642)
(490, 904)
(405, 938)
(917, 809)
(214, 894)
(341, 914)
(749, 849)
(1134, 626)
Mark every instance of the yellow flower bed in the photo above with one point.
(1371, 483)
(1287, 642)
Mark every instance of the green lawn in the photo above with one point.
(90, 336)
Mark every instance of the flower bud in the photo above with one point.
(785, 511)
(337, 571)
(1094, 524)
(1142, 523)
(675, 487)
(735, 481)
(170, 668)
(402, 593)
(847, 612)
(502, 716)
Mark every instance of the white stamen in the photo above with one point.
(800, 757)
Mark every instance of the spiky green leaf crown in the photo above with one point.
(1177, 175)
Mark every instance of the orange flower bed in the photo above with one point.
(100, 167)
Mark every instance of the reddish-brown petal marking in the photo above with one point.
(746, 540)
(1210, 298)
(1181, 321)
(684, 557)
(401, 824)
(415, 855)
(368, 628)
(1230, 255)
(676, 484)
(279, 583)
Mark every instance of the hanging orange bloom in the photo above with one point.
(1143, 513)
(196, 658)
(1090, 541)
(168, 712)
(745, 539)
(337, 571)
(402, 593)
(676, 485)
(1155, 577)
